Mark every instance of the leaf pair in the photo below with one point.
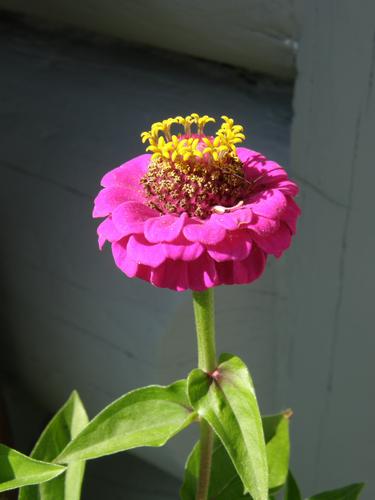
(152, 415)
(35, 475)
(250, 454)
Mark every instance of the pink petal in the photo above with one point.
(171, 275)
(128, 266)
(270, 203)
(244, 271)
(142, 252)
(264, 226)
(130, 217)
(234, 220)
(249, 269)
(208, 232)
(159, 276)
(127, 174)
(247, 155)
(224, 272)
(275, 243)
(259, 170)
(291, 215)
(164, 228)
(288, 187)
(110, 198)
(202, 273)
(107, 232)
(144, 272)
(182, 249)
(236, 246)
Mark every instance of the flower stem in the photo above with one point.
(205, 327)
(206, 445)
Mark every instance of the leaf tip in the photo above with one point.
(288, 413)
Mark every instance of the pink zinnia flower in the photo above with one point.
(199, 212)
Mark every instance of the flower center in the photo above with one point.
(192, 172)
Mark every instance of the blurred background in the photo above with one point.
(79, 81)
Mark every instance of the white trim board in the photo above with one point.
(258, 35)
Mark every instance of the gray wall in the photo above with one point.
(69, 113)
(328, 359)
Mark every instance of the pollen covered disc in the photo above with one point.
(194, 189)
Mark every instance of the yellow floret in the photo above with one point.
(184, 146)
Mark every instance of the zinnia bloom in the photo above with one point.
(198, 212)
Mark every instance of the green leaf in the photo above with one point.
(189, 486)
(144, 417)
(292, 491)
(225, 482)
(64, 426)
(227, 401)
(350, 492)
(18, 470)
(276, 434)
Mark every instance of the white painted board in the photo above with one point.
(259, 35)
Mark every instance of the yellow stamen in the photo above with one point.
(185, 145)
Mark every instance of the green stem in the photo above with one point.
(205, 327)
(206, 445)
